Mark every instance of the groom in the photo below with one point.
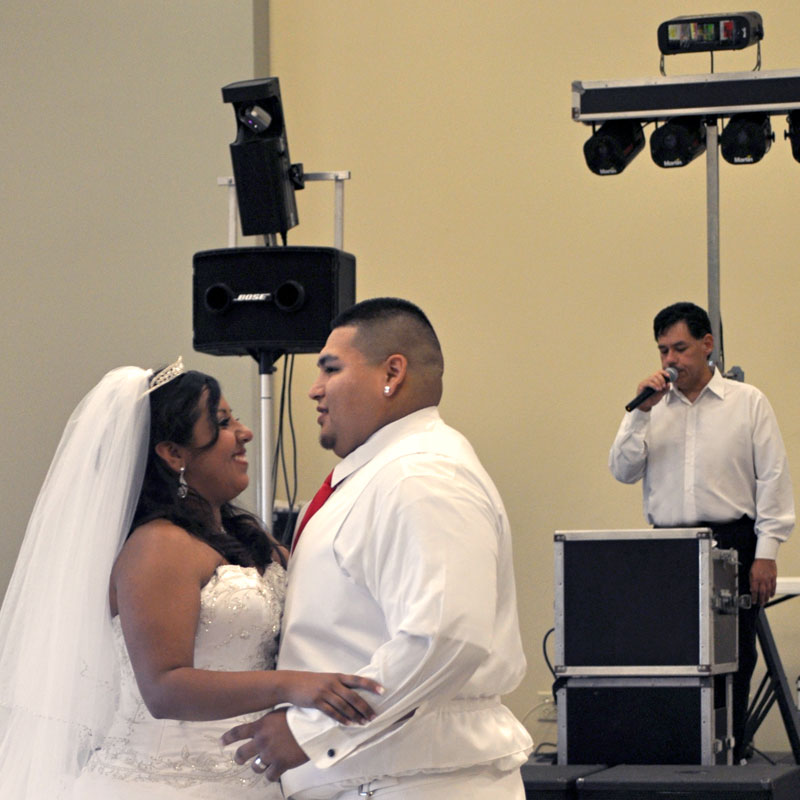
(403, 575)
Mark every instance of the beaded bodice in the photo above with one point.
(238, 628)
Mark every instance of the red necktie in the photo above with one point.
(323, 493)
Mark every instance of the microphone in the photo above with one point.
(672, 374)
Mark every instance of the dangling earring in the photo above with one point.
(386, 390)
(183, 487)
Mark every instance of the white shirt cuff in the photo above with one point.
(767, 547)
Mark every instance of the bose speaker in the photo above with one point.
(252, 300)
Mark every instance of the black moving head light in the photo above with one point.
(611, 148)
(678, 141)
(266, 179)
(746, 138)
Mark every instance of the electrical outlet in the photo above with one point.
(548, 711)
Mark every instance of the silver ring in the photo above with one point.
(259, 765)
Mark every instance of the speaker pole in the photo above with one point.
(712, 238)
(266, 491)
(265, 488)
(339, 177)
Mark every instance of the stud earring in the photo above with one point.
(386, 390)
(183, 487)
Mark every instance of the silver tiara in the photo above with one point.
(166, 375)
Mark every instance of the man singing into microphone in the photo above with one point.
(711, 455)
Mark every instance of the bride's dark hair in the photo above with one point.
(175, 407)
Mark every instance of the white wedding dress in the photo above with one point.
(144, 758)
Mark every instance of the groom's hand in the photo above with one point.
(271, 741)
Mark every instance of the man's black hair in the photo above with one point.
(696, 319)
(378, 309)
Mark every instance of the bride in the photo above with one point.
(120, 688)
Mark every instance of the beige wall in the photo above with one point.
(469, 195)
(114, 133)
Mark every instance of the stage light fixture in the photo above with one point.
(793, 134)
(678, 141)
(609, 150)
(265, 178)
(746, 138)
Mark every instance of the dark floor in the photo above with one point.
(759, 757)
(767, 775)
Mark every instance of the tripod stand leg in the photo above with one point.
(778, 685)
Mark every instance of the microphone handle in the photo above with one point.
(648, 391)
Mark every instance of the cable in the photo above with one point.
(280, 457)
(278, 454)
(534, 708)
(764, 755)
(292, 495)
(552, 756)
(544, 652)
(286, 409)
(549, 701)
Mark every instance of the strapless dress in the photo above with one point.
(143, 758)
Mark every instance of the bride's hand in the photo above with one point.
(332, 693)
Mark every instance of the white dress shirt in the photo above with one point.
(405, 575)
(713, 460)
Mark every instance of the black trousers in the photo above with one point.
(740, 536)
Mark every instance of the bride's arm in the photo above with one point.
(155, 588)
